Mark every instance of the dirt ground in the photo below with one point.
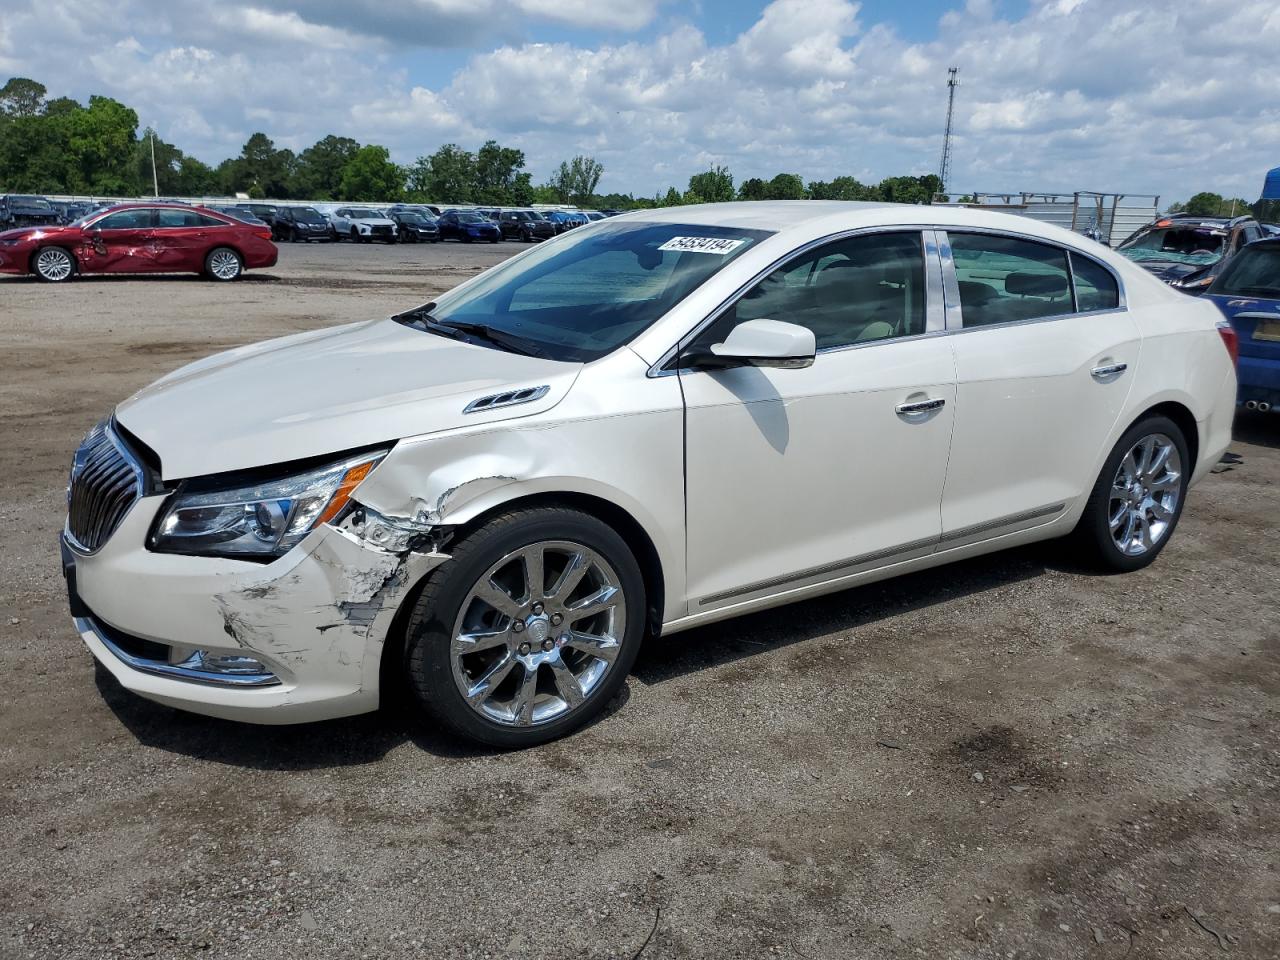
(1007, 758)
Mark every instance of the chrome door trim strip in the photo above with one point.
(814, 576)
(978, 531)
(841, 567)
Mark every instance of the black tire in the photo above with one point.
(293, 235)
(428, 663)
(1093, 537)
(355, 235)
(53, 264)
(223, 265)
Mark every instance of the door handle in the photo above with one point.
(1108, 370)
(917, 407)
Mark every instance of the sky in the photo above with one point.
(1165, 97)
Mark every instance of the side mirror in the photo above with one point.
(765, 343)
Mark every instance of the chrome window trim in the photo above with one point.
(656, 369)
(953, 286)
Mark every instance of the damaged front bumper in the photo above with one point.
(295, 640)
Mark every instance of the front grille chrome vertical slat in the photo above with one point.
(106, 480)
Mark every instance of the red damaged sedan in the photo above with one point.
(139, 238)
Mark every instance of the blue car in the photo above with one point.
(467, 226)
(564, 220)
(1248, 293)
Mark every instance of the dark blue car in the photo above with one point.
(467, 226)
(1248, 293)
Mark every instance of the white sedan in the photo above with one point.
(650, 423)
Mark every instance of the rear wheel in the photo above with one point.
(1137, 500)
(529, 630)
(53, 265)
(223, 264)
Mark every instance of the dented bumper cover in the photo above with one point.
(316, 618)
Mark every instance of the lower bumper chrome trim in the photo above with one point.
(189, 670)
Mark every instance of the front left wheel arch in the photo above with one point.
(391, 666)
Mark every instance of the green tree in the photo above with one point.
(785, 186)
(576, 180)
(21, 97)
(168, 165)
(448, 175)
(910, 189)
(261, 166)
(713, 186)
(194, 178)
(1204, 205)
(753, 189)
(318, 172)
(545, 193)
(497, 172)
(672, 199)
(371, 176)
(842, 188)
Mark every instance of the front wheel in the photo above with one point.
(529, 630)
(223, 264)
(1137, 499)
(53, 265)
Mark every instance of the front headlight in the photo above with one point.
(257, 520)
(362, 227)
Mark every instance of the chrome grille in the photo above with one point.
(105, 482)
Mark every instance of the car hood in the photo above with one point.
(1168, 270)
(373, 221)
(327, 391)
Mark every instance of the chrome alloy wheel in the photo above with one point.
(538, 632)
(224, 264)
(1145, 494)
(54, 263)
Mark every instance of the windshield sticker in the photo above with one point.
(716, 245)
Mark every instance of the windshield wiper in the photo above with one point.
(499, 338)
(458, 329)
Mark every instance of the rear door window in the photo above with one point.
(1096, 287)
(1006, 279)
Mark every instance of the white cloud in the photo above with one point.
(1130, 95)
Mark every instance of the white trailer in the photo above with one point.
(1107, 217)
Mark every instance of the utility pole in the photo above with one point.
(944, 168)
(155, 179)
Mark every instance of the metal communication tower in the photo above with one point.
(944, 172)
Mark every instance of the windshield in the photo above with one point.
(470, 218)
(307, 215)
(413, 218)
(1197, 246)
(30, 203)
(1254, 272)
(361, 213)
(517, 215)
(593, 291)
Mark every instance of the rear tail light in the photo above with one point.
(262, 234)
(1230, 340)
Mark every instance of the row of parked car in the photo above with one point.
(409, 222)
(1235, 263)
(358, 223)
